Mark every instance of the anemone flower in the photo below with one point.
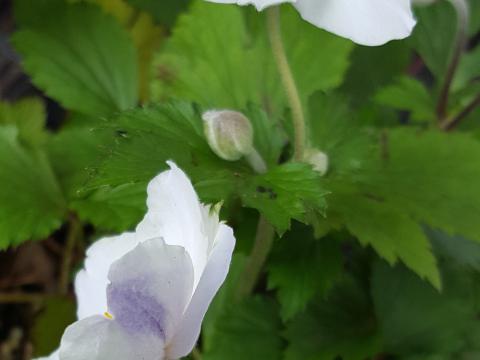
(143, 294)
(366, 22)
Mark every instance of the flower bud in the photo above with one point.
(229, 133)
(318, 159)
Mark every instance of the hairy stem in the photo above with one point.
(461, 38)
(74, 232)
(291, 90)
(256, 162)
(253, 267)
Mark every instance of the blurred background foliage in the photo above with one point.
(378, 259)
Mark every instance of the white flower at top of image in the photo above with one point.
(366, 22)
(143, 294)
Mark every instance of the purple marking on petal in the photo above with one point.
(135, 309)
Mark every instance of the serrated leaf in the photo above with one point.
(432, 175)
(404, 182)
(343, 326)
(302, 267)
(117, 209)
(269, 137)
(84, 59)
(410, 95)
(417, 319)
(248, 330)
(144, 139)
(391, 232)
(31, 203)
(223, 65)
(335, 130)
(72, 152)
(285, 192)
(145, 34)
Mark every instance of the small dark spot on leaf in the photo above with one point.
(261, 189)
(121, 133)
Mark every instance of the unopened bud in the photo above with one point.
(318, 159)
(229, 133)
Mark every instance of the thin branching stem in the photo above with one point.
(291, 90)
(253, 267)
(455, 121)
(461, 38)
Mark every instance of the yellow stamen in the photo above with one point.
(108, 315)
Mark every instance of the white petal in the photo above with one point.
(175, 214)
(150, 288)
(259, 4)
(98, 338)
(367, 22)
(212, 278)
(91, 283)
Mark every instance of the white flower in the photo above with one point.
(143, 295)
(366, 22)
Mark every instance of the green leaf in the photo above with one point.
(213, 59)
(373, 68)
(140, 141)
(408, 94)
(417, 319)
(83, 59)
(72, 152)
(432, 175)
(335, 130)
(285, 192)
(118, 209)
(391, 232)
(146, 138)
(164, 12)
(434, 36)
(302, 267)
(343, 326)
(456, 248)
(28, 116)
(385, 185)
(31, 203)
(51, 323)
(269, 137)
(250, 330)
(222, 302)
(468, 70)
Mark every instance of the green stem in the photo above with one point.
(256, 162)
(278, 49)
(253, 267)
(74, 232)
(449, 125)
(461, 38)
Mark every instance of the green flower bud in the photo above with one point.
(229, 133)
(318, 159)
